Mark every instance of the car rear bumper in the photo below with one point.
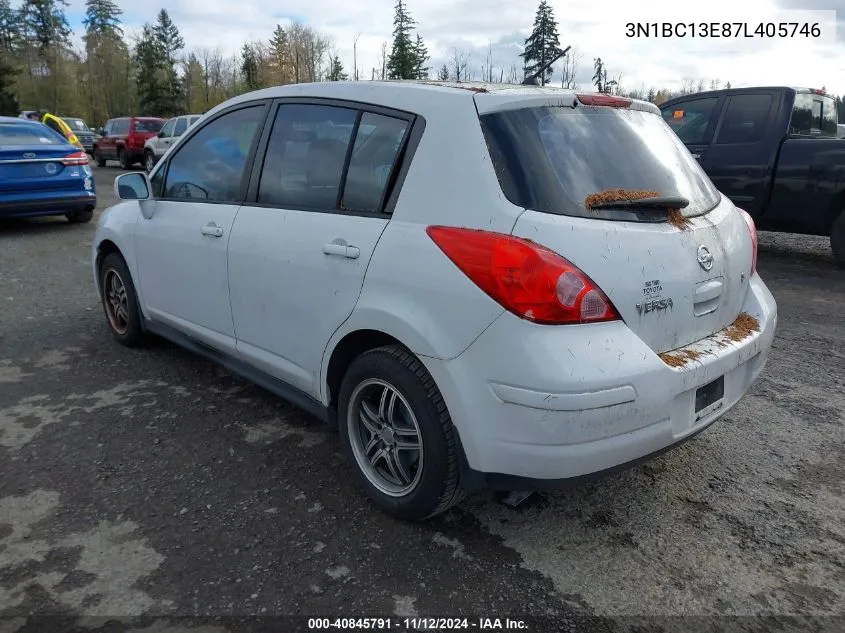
(54, 205)
(546, 406)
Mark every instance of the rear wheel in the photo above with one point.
(123, 159)
(120, 302)
(78, 217)
(149, 160)
(397, 433)
(837, 239)
(101, 162)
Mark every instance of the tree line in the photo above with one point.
(153, 74)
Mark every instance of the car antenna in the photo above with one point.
(534, 78)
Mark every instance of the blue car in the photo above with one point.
(41, 173)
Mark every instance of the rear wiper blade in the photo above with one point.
(659, 202)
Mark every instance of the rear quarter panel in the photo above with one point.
(412, 291)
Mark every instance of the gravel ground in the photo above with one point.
(151, 484)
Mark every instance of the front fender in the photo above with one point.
(116, 225)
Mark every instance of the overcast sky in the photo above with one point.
(594, 29)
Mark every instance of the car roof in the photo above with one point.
(16, 119)
(421, 96)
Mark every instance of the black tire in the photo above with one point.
(437, 487)
(101, 162)
(837, 239)
(79, 217)
(123, 159)
(149, 160)
(126, 331)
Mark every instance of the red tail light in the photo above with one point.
(134, 140)
(77, 158)
(753, 230)
(525, 278)
(604, 100)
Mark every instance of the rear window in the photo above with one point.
(551, 158)
(148, 125)
(813, 115)
(29, 134)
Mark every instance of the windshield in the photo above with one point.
(77, 125)
(551, 158)
(28, 134)
(148, 125)
(813, 115)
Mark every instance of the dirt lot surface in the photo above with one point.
(152, 483)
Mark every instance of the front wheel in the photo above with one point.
(149, 160)
(397, 433)
(837, 239)
(120, 302)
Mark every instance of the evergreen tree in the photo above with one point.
(443, 73)
(46, 24)
(402, 62)
(599, 75)
(9, 28)
(336, 72)
(543, 44)
(102, 19)
(249, 68)
(727, 85)
(280, 54)
(151, 74)
(652, 96)
(8, 98)
(420, 58)
(168, 42)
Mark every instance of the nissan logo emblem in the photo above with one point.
(705, 257)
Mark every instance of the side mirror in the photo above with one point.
(134, 186)
(101, 131)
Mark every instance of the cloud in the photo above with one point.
(593, 29)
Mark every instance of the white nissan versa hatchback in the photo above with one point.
(509, 287)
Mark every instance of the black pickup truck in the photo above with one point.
(774, 152)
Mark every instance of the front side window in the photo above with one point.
(689, 119)
(167, 130)
(210, 165)
(306, 152)
(181, 126)
(121, 126)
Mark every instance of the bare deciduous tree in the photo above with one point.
(459, 62)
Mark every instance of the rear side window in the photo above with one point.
(148, 125)
(12, 134)
(813, 115)
(745, 119)
(551, 158)
(690, 119)
(306, 153)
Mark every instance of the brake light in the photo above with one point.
(525, 278)
(133, 140)
(77, 158)
(752, 228)
(816, 91)
(604, 100)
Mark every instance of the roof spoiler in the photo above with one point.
(534, 78)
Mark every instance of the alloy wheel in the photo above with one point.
(116, 301)
(385, 437)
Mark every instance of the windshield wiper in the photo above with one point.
(660, 202)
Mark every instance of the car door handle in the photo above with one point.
(342, 249)
(212, 230)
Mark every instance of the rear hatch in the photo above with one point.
(35, 158)
(147, 128)
(675, 273)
